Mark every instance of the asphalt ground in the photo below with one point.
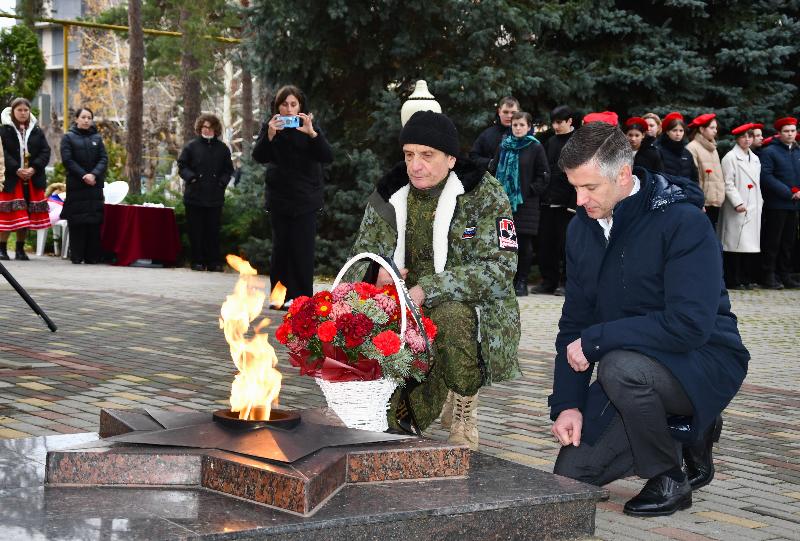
(134, 337)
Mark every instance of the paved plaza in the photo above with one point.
(137, 337)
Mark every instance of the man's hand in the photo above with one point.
(567, 427)
(384, 278)
(89, 179)
(417, 295)
(575, 357)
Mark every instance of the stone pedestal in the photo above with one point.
(348, 494)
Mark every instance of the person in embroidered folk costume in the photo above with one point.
(448, 227)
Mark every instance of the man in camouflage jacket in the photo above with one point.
(447, 225)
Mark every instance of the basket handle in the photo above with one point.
(398, 282)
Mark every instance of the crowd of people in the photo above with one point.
(751, 194)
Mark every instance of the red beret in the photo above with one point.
(703, 119)
(758, 126)
(609, 117)
(786, 121)
(767, 140)
(670, 117)
(743, 128)
(636, 123)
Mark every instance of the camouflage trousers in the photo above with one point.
(455, 364)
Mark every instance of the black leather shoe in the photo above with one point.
(661, 496)
(20, 255)
(521, 289)
(198, 267)
(699, 459)
(4, 254)
(560, 291)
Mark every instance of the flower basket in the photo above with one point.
(359, 342)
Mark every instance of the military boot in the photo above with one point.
(464, 428)
(447, 411)
(4, 252)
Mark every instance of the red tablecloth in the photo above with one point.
(132, 232)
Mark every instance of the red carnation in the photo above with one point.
(709, 171)
(354, 326)
(327, 331)
(387, 342)
(303, 325)
(353, 341)
(749, 186)
(282, 333)
(420, 364)
(795, 189)
(430, 327)
(390, 290)
(297, 304)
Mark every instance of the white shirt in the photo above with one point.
(606, 223)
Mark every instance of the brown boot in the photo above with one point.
(447, 411)
(464, 428)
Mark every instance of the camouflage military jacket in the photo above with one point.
(474, 251)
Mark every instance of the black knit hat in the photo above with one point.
(431, 129)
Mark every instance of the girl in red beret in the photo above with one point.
(671, 144)
(740, 218)
(645, 153)
(703, 146)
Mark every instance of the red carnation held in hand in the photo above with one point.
(749, 186)
(709, 171)
(387, 342)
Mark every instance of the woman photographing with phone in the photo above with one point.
(294, 189)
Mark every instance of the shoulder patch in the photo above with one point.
(506, 234)
(469, 232)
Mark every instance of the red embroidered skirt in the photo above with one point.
(19, 212)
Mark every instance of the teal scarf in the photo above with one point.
(508, 166)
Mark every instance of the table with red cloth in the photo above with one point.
(134, 232)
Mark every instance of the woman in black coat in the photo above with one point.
(206, 168)
(646, 154)
(294, 190)
(23, 204)
(84, 156)
(677, 160)
(524, 183)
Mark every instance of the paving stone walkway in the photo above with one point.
(132, 337)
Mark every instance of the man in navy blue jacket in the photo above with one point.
(780, 186)
(646, 302)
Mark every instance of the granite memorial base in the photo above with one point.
(79, 487)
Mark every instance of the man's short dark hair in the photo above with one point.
(562, 112)
(600, 143)
(509, 101)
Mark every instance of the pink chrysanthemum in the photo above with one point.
(340, 308)
(341, 291)
(386, 303)
(414, 340)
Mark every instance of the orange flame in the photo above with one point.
(256, 387)
(278, 295)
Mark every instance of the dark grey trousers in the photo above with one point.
(638, 440)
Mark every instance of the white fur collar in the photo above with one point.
(445, 209)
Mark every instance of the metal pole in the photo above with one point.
(65, 72)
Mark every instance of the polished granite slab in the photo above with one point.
(301, 486)
(498, 500)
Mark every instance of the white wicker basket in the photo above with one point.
(360, 404)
